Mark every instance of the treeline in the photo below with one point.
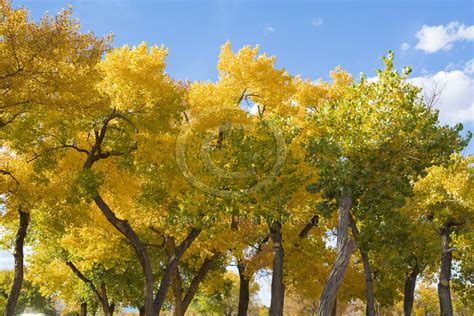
(135, 189)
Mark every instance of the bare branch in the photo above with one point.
(11, 74)
(313, 222)
(242, 96)
(117, 153)
(9, 174)
(9, 121)
(36, 156)
(433, 99)
(73, 146)
(83, 278)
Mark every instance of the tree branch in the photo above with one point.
(193, 287)
(171, 266)
(5, 123)
(312, 222)
(84, 279)
(9, 174)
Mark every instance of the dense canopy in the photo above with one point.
(131, 190)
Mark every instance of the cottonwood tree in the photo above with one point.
(444, 197)
(44, 66)
(131, 177)
(389, 137)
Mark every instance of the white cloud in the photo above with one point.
(469, 68)
(317, 22)
(250, 107)
(456, 101)
(268, 30)
(455, 89)
(435, 38)
(254, 109)
(405, 46)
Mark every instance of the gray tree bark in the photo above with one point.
(369, 288)
(171, 267)
(180, 303)
(278, 287)
(95, 154)
(444, 289)
(196, 281)
(344, 249)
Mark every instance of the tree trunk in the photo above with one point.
(369, 289)
(334, 308)
(176, 279)
(196, 281)
(124, 227)
(94, 155)
(177, 294)
(83, 309)
(171, 267)
(111, 308)
(444, 291)
(278, 288)
(180, 304)
(409, 293)
(101, 297)
(107, 308)
(345, 248)
(244, 290)
(19, 257)
(141, 311)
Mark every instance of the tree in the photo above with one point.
(81, 246)
(132, 188)
(389, 137)
(43, 66)
(30, 296)
(444, 197)
(221, 295)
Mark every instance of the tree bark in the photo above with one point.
(94, 155)
(196, 281)
(444, 290)
(409, 292)
(369, 289)
(180, 304)
(108, 308)
(124, 227)
(176, 279)
(312, 222)
(278, 287)
(244, 290)
(14, 295)
(83, 309)
(101, 297)
(171, 267)
(345, 248)
(177, 294)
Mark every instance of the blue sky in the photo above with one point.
(309, 38)
(435, 38)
